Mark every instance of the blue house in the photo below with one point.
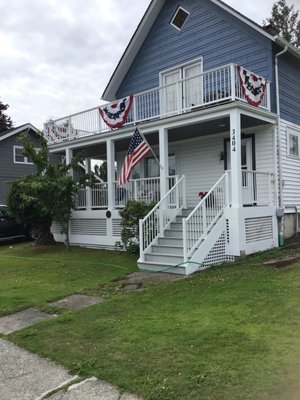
(218, 99)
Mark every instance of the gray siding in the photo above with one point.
(8, 169)
(209, 32)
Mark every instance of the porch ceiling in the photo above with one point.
(204, 128)
(211, 127)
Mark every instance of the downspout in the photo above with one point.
(280, 204)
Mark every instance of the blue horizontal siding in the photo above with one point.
(210, 32)
(289, 88)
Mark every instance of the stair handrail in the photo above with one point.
(155, 222)
(192, 237)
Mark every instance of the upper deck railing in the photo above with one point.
(214, 86)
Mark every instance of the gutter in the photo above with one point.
(280, 203)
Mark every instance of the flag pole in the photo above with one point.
(154, 155)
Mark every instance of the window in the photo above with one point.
(182, 87)
(293, 143)
(179, 18)
(19, 158)
(153, 169)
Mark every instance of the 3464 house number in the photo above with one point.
(233, 140)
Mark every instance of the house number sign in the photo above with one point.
(233, 140)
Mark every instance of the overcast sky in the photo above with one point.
(57, 55)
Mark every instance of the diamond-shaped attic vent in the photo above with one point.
(179, 18)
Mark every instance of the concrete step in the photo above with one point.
(167, 249)
(161, 267)
(171, 259)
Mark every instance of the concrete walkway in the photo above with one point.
(26, 376)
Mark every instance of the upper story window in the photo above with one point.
(293, 143)
(179, 18)
(19, 158)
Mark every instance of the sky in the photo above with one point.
(57, 56)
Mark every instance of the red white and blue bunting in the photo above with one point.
(115, 114)
(253, 86)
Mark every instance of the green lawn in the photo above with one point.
(231, 332)
(30, 276)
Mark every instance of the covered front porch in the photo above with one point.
(234, 142)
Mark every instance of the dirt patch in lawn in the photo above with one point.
(283, 262)
(139, 280)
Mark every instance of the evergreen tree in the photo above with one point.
(5, 121)
(284, 20)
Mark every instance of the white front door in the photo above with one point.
(248, 188)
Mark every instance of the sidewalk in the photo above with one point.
(26, 376)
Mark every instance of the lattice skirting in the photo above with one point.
(217, 254)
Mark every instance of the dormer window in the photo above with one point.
(179, 18)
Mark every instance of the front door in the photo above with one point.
(248, 179)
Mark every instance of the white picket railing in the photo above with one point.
(144, 189)
(156, 221)
(258, 188)
(210, 87)
(201, 220)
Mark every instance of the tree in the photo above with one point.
(101, 171)
(5, 121)
(46, 195)
(284, 20)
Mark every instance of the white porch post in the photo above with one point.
(69, 156)
(164, 169)
(236, 223)
(110, 150)
(164, 161)
(235, 154)
(88, 189)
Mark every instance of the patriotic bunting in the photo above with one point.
(253, 86)
(115, 115)
(138, 149)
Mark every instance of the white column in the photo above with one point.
(235, 153)
(110, 152)
(164, 161)
(88, 189)
(235, 215)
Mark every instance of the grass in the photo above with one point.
(231, 332)
(31, 277)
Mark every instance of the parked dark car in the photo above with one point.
(9, 228)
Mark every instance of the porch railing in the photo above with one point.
(144, 189)
(202, 219)
(210, 87)
(156, 221)
(258, 188)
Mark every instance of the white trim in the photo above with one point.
(294, 132)
(174, 16)
(180, 67)
(18, 130)
(26, 162)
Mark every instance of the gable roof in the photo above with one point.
(144, 27)
(26, 127)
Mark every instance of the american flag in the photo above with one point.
(138, 149)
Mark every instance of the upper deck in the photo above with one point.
(213, 87)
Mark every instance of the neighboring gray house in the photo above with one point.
(12, 163)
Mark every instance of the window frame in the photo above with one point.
(179, 8)
(26, 160)
(293, 132)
